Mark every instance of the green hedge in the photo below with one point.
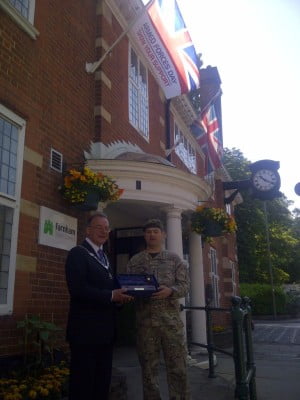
(262, 300)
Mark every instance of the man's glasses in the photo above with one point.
(100, 228)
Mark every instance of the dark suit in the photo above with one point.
(91, 324)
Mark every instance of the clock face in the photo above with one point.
(265, 179)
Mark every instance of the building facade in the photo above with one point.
(55, 115)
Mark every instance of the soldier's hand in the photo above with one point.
(163, 292)
(120, 296)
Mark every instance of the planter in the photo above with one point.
(223, 340)
(212, 228)
(90, 204)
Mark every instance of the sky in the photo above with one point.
(255, 44)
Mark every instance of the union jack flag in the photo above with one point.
(165, 41)
(208, 134)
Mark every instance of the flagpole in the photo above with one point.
(92, 67)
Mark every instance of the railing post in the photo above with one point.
(211, 373)
(249, 348)
(242, 389)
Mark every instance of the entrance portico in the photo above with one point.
(155, 190)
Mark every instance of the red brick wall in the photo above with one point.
(115, 67)
(44, 81)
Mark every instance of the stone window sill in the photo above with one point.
(23, 23)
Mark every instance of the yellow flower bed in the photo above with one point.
(50, 384)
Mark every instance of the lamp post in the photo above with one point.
(269, 259)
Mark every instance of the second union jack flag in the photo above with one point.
(208, 135)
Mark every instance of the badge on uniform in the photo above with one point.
(138, 285)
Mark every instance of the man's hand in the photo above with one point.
(163, 292)
(119, 296)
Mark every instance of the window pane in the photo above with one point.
(22, 6)
(5, 156)
(3, 296)
(134, 67)
(143, 75)
(4, 171)
(138, 95)
(6, 128)
(5, 263)
(8, 156)
(6, 142)
(6, 217)
(185, 150)
(14, 147)
(11, 188)
(133, 105)
(3, 280)
(14, 134)
(3, 186)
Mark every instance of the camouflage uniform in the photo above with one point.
(159, 325)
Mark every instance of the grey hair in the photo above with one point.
(96, 214)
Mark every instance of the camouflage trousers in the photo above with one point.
(169, 339)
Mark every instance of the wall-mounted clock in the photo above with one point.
(264, 183)
(265, 180)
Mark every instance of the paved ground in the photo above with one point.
(202, 387)
(281, 332)
(277, 358)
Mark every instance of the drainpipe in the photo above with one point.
(168, 124)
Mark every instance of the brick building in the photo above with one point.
(53, 115)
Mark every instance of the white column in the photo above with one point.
(101, 206)
(174, 231)
(197, 288)
(174, 242)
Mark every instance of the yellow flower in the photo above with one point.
(44, 392)
(32, 394)
(203, 216)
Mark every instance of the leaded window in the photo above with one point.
(12, 130)
(185, 150)
(138, 94)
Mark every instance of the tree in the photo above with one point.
(251, 235)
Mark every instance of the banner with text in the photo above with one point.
(161, 34)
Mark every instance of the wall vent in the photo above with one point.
(56, 161)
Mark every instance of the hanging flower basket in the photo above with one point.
(212, 228)
(90, 203)
(211, 222)
(84, 189)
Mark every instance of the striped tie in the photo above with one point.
(102, 257)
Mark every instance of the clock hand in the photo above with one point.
(266, 180)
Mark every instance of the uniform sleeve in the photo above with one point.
(129, 266)
(182, 281)
(132, 265)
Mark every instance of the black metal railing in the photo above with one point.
(242, 345)
(245, 369)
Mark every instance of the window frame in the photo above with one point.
(184, 149)
(142, 99)
(233, 278)
(14, 203)
(27, 25)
